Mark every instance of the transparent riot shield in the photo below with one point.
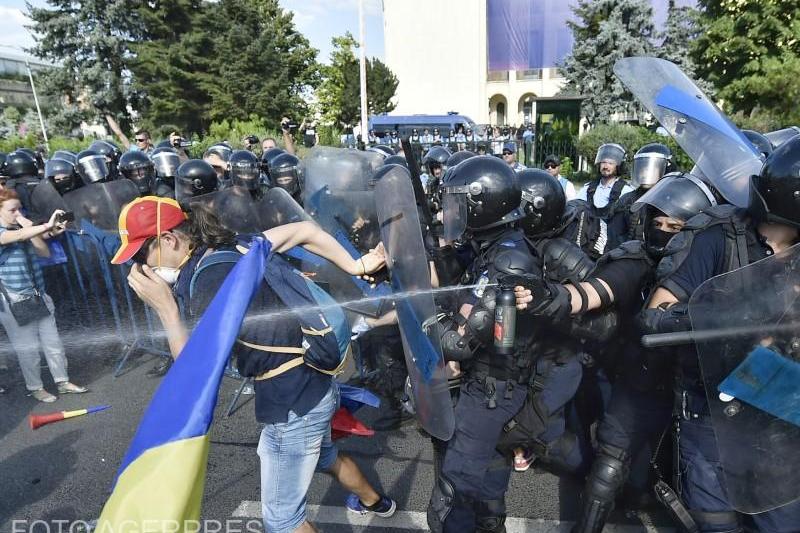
(752, 377)
(416, 311)
(235, 208)
(277, 208)
(713, 142)
(101, 203)
(44, 200)
(338, 169)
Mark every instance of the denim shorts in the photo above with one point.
(290, 453)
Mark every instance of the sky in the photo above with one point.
(318, 20)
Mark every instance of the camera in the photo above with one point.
(63, 218)
(252, 140)
(182, 143)
(289, 125)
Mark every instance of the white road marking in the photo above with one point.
(416, 520)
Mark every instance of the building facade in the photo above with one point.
(443, 52)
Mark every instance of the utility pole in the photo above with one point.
(363, 74)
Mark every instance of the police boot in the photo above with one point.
(608, 475)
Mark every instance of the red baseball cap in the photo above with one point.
(143, 218)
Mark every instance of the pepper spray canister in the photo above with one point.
(505, 320)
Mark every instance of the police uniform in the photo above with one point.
(723, 242)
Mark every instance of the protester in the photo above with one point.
(27, 310)
(297, 403)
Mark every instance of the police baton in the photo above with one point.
(679, 338)
(416, 181)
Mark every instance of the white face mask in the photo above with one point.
(168, 274)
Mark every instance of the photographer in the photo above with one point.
(27, 311)
(180, 144)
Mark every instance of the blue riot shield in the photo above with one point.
(416, 311)
(714, 143)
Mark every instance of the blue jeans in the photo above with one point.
(290, 453)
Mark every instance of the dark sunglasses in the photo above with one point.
(507, 153)
(143, 139)
(551, 165)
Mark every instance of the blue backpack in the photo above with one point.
(325, 327)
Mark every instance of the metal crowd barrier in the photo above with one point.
(92, 296)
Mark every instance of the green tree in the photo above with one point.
(750, 51)
(339, 94)
(605, 31)
(262, 64)
(170, 64)
(89, 42)
(680, 32)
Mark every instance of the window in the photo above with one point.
(497, 75)
(530, 74)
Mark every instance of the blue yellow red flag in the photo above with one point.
(159, 486)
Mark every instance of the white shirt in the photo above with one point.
(569, 188)
(603, 192)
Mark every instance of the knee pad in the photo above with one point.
(608, 474)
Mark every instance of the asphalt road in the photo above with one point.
(64, 471)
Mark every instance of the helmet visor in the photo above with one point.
(92, 169)
(647, 169)
(166, 164)
(454, 200)
(611, 153)
(679, 196)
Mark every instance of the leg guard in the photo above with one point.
(442, 501)
(490, 516)
(607, 477)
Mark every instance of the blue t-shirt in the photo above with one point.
(14, 270)
(299, 389)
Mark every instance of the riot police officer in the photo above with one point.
(23, 175)
(603, 192)
(218, 155)
(435, 162)
(111, 152)
(166, 161)
(650, 163)
(244, 170)
(284, 172)
(481, 199)
(719, 242)
(61, 173)
(194, 178)
(138, 168)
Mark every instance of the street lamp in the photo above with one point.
(33, 89)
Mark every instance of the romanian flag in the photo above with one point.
(159, 486)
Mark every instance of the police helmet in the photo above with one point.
(775, 192)
(166, 161)
(381, 149)
(20, 164)
(138, 168)
(244, 169)
(760, 141)
(37, 157)
(481, 193)
(91, 167)
(284, 172)
(650, 164)
(612, 152)
(61, 173)
(458, 157)
(396, 160)
(194, 177)
(436, 157)
(543, 201)
(65, 155)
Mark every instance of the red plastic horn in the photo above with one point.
(37, 421)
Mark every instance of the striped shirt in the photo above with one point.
(14, 272)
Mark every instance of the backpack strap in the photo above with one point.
(214, 258)
(590, 191)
